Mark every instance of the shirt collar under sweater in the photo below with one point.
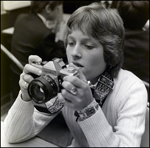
(49, 24)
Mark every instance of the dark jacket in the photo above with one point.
(32, 37)
(136, 53)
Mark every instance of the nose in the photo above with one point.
(76, 53)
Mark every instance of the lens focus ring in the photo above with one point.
(42, 89)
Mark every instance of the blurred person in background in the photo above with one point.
(135, 15)
(39, 32)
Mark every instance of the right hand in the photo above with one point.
(26, 78)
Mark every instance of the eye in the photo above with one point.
(70, 42)
(89, 46)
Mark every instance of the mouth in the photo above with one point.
(77, 64)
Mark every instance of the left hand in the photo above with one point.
(81, 95)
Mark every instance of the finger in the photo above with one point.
(81, 75)
(34, 59)
(67, 95)
(77, 82)
(72, 65)
(27, 78)
(23, 84)
(68, 102)
(31, 69)
(61, 98)
(69, 87)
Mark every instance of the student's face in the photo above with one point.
(86, 53)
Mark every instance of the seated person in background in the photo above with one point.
(35, 34)
(104, 106)
(135, 14)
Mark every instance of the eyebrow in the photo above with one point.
(86, 39)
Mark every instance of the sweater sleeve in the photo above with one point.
(23, 121)
(130, 122)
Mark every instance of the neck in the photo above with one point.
(93, 81)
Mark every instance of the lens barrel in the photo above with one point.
(42, 89)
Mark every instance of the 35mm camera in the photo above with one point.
(45, 87)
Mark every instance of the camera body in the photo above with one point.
(45, 87)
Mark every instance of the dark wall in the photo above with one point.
(71, 6)
(7, 20)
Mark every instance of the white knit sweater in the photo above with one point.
(119, 123)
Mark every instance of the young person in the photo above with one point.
(107, 112)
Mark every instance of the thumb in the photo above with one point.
(81, 75)
(34, 58)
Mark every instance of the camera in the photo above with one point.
(45, 87)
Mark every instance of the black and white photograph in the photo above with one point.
(75, 73)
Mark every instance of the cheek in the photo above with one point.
(68, 55)
(99, 61)
(97, 65)
(96, 58)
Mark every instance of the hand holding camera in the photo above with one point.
(77, 91)
(46, 81)
(26, 78)
(47, 86)
(41, 82)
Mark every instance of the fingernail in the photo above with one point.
(39, 72)
(73, 90)
(70, 64)
(64, 78)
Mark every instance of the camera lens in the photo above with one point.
(42, 89)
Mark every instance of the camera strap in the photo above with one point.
(49, 107)
(41, 107)
(103, 87)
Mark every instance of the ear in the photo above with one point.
(47, 9)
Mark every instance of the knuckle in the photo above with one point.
(30, 57)
(20, 83)
(73, 79)
(66, 84)
(22, 76)
(26, 66)
(64, 93)
(82, 94)
(86, 86)
(63, 83)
